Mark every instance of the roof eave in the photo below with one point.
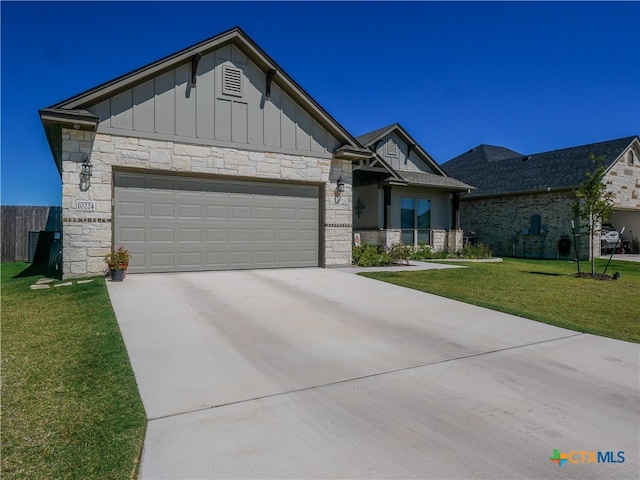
(77, 119)
(525, 192)
(354, 154)
(448, 188)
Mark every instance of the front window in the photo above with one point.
(415, 220)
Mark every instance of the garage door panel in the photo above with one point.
(241, 258)
(264, 235)
(215, 259)
(265, 257)
(286, 235)
(186, 224)
(241, 235)
(310, 235)
(131, 234)
(265, 213)
(241, 213)
(131, 181)
(216, 212)
(216, 235)
(159, 182)
(158, 260)
(189, 210)
(161, 235)
(286, 213)
(190, 235)
(161, 210)
(131, 209)
(189, 259)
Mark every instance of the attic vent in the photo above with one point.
(231, 81)
(392, 148)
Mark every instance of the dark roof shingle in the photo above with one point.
(500, 171)
(433, 180)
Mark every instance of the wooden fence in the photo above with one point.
(18, 221)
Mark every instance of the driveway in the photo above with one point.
(316, 373)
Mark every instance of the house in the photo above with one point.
(523, 203)
(401, 194)
(212, 158)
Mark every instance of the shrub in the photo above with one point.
(370, 255)
(400, 253)
(479, 250)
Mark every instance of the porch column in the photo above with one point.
(387, 207)
(455, 211)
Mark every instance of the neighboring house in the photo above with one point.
(402, 194)
(522, 205)
(212, 158)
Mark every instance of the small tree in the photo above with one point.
(594, 204)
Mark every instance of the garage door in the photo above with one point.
(173, 223)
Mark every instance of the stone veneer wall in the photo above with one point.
(455, 240)
(625, 182)
(87, 236)
(495, 220)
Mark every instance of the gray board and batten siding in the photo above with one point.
(177, 223)
(216, 110)
(397, 154)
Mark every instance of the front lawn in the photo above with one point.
(70, 405)
(542, 290)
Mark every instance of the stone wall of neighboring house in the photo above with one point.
(625, 182)
(87, 236)
(497, 221)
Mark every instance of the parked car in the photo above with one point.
(609, 236)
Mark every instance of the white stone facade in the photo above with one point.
(87, 235)
(624, 181)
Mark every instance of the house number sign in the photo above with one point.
(87, 206)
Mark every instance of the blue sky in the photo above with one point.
(530, 76)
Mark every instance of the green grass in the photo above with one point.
(70, 405)
(542, 290)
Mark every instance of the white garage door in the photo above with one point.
(174, 223)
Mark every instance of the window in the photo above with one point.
(631, 157)
(415, 220)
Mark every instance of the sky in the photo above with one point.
(530, 76)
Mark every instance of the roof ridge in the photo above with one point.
(377, 132)
(630, 138)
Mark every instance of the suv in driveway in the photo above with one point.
(609, 236)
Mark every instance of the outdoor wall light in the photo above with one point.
(86, 171)
(339, 185)
(87, 168)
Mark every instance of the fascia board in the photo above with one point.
(622, 152)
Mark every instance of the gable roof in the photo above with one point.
(436, 180)
(368, 140)
(72, 111)
(499, 171)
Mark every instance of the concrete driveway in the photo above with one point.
(316, 373)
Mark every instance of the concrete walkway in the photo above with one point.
(627, 257)
(313, 373)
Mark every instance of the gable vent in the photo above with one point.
(231, 81)
(392, 148)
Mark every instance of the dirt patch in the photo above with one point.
(597, 276)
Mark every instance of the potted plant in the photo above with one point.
(118, 261)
